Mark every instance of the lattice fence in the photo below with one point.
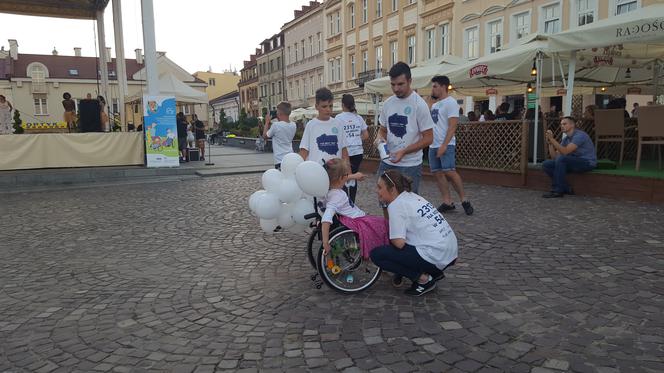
(496, 146)
(607, 150)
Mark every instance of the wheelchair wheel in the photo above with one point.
(344, 269)
(311, 247)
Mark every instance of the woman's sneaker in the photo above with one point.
(417, 289)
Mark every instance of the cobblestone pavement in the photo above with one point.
(176, 277)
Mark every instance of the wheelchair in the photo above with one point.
(343, 268)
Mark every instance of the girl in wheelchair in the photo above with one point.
(372, 230)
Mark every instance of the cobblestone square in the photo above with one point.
(178, 277)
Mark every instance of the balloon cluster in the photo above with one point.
(286, 197)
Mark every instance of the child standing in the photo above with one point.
(324, 136)
(281, 132)
(371, 229)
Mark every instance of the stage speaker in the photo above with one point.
(90, 116)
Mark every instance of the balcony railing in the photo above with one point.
(369, 75)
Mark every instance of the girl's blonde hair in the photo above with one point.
(337, 168)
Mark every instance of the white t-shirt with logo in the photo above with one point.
(441, 112)
(405, 119)
(353, 127)
(337, 202)
(419, 223)
(323, 139)
(282, 134)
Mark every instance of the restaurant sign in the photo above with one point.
(479, 70)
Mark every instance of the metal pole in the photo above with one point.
(655, 77)
(570, 83)
(120, 63)
(147, 12)
(538, 88)
(103, 66)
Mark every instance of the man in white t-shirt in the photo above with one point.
(281, 132)
(442, 152)
(405, 125)
(324, 136)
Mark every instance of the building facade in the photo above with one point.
(303, 40)
(218, 84)
(229, 103)
(248, 87)
(270, 63)
(35, 83)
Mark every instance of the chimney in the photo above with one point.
(54, 52)
(108, 54)
(77, 51)
(139, 56)
(13, 49)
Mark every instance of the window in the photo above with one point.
(411, 2)
(288, 56)
(395, 5)
(273, 90)
(297, 84)
(272, 69)
(330, 19)
(365, 11)
(186, 110)
(352, 66)
(279, 87)
(379, 8)
(431, 43)
(331, 69)
(379, 57)
(411, 49)
(551, 16)
(296, 53)
(320, 42)
(365, 61)
(351, 15)
(320, 80)
(311, 85)
(337, 19)
(338, 69)
(115, 106)
(585, 12)
(290, 89)
(495, 41)
(393, 52)
(626, 6)
(303, 48)
(444, 39)
(40, 105)
(311, 45)
(471, 42)
(73, 72)
(521, 23)
(305, 91)
(278, 63)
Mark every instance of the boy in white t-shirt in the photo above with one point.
(442, 152)
(405, 125)
(281, 132)
(324, 136)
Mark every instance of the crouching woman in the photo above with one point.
(422, 243)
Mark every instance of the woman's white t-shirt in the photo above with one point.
(323, 139)
(405, 119)
(336, 202)
(419, 223)
(353, 127)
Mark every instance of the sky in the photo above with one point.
(195, 34)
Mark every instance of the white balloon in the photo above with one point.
(285, 218)
(271, 180)
(289, 163)
(301, 208)
(254, 199)
(268, 225)
(312, 178)
(268, 206)
(289, 191)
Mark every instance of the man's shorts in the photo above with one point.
(445, 163)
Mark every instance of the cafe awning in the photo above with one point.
(77, 9)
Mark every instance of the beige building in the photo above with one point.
(248, 87)
(363, 38)
(482, 27)
(270, 63)
(303, 40)
(218, 84)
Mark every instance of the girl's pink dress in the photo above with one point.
(373, 231)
